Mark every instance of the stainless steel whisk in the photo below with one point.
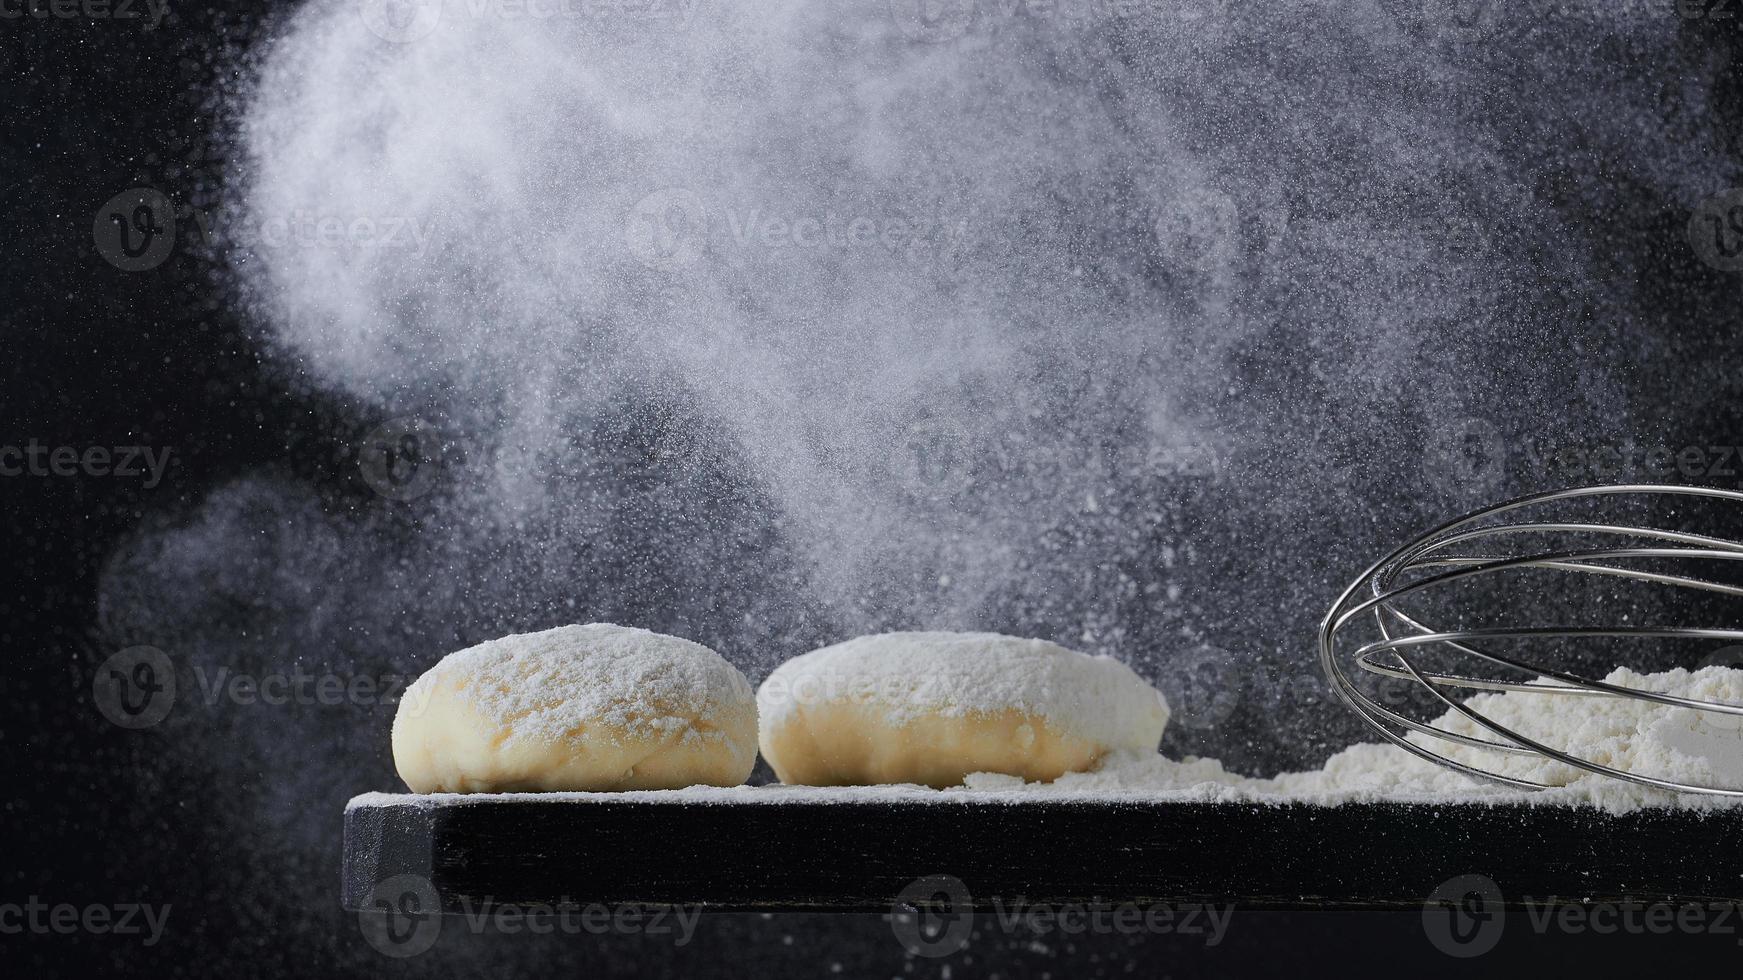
(1428, 563)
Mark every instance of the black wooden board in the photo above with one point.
(860, 856)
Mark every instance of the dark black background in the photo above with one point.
(97, 356)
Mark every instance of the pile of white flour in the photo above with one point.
(1679, 744)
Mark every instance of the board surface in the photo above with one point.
(861, 856)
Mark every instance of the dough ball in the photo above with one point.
(931, 708)
(596, 707)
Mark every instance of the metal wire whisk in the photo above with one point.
(1436, 560)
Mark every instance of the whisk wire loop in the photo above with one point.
(1424, 565)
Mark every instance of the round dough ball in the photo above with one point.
(931, 708)
(596, 707)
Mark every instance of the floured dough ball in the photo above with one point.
(596, 707)
(931, 708)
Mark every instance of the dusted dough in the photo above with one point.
(930, 708)
(596, 707)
